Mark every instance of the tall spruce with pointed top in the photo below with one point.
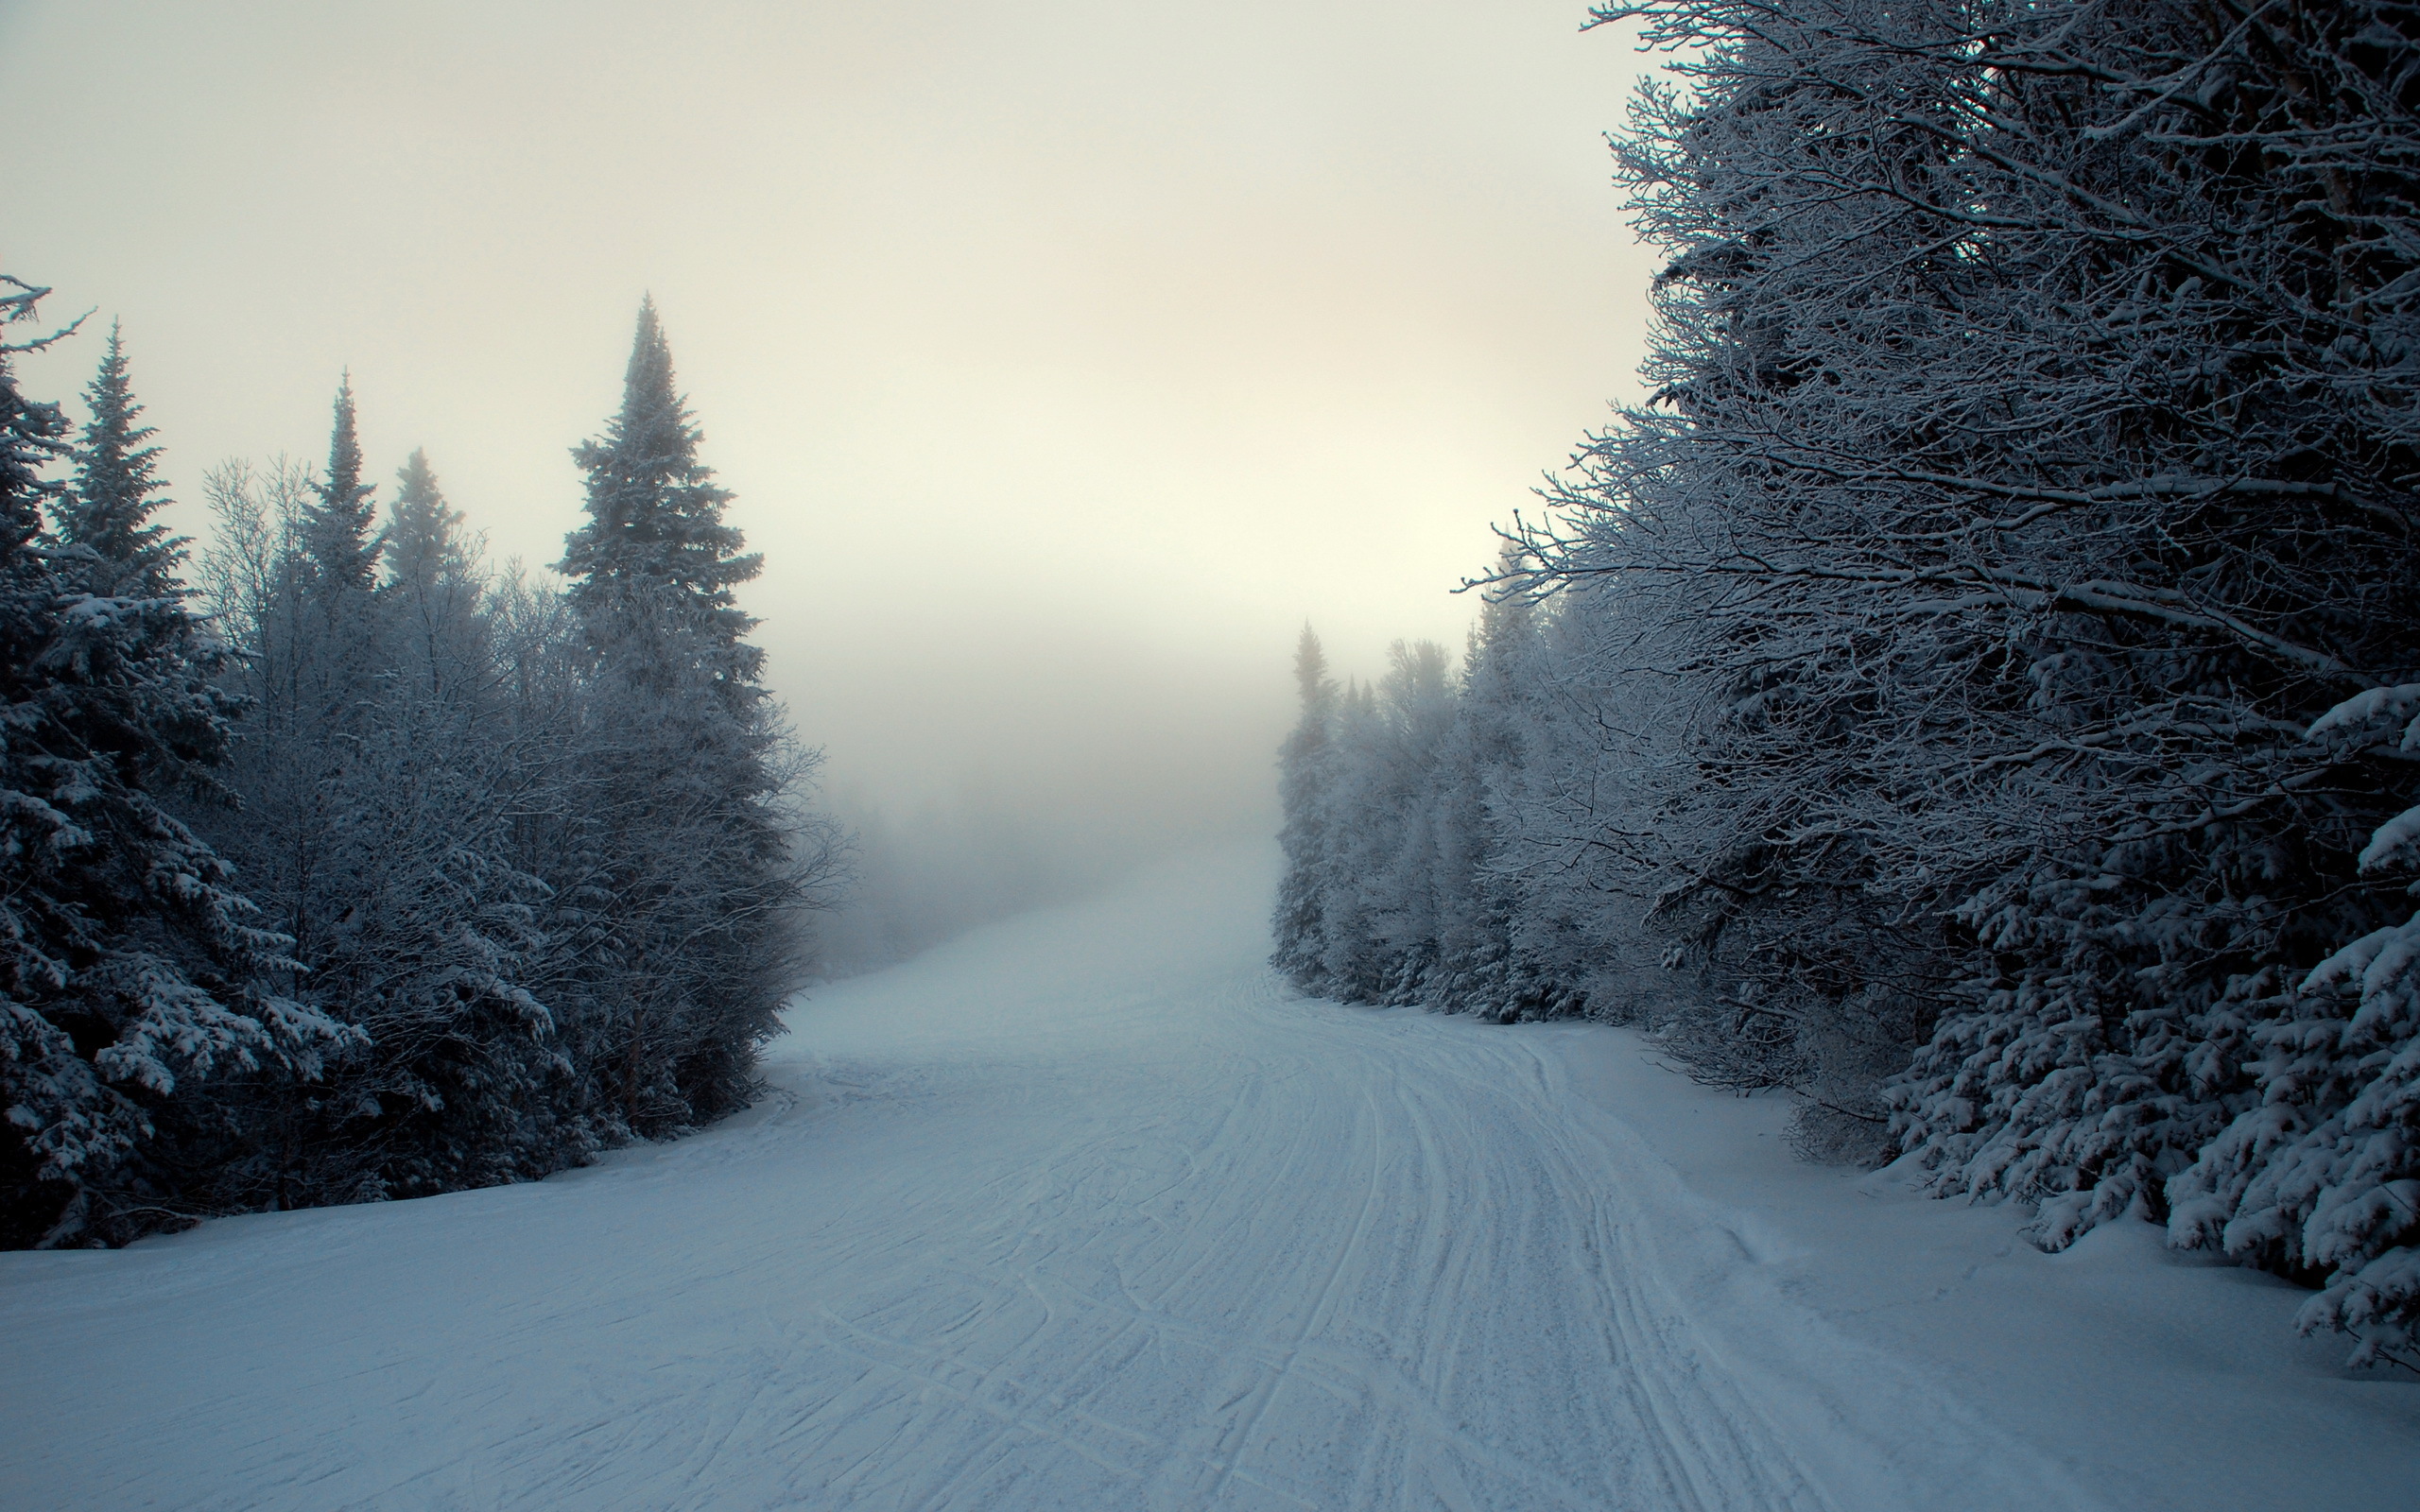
(108, 507)
(656, 563)
(339, 531)
(424, 542)
(128, 964)
(692, 876)
(1304, 779)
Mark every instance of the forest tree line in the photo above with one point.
(1978, 691)
(337, 865)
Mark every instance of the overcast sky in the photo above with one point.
(1065, 357)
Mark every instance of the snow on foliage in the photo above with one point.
(1976, 690)
(522, 872)
(132, 974)
(2323, 1176)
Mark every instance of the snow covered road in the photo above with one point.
(1078, 1212)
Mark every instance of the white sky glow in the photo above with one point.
(1065, 357)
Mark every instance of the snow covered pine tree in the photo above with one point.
(108, 507)
(129, 967)
(701, 860)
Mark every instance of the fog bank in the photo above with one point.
(1064, 358)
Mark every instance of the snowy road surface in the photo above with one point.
(1082, 1211)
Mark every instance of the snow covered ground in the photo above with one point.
(1082, 1211)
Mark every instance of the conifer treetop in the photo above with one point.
(655, 529)
(341, 537)
(1310, 670)
(111, 501)
(424, 539)
(30, 431)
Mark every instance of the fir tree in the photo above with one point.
(433, 582)
(107, 508)
(1302, 789)
(424, 541)
(694, 870)
(128, 964)
(337, 531)
(655, 559)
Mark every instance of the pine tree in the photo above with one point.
(1302, 789)
(433, 582)
(338, 532)
(655, 561)
(129, 967)
(424, 541)
(2318, 1176)
(109, 506)
(697, 864)
(1478, 775)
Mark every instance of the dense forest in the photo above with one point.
(340, 866)
(1978, 691)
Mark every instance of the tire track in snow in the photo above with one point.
(1654, 1373)
(1079, 1214)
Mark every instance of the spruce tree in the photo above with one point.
(107, 508)
(129, 967)
(655, 561)
(424, 541)
(338, 531)
(693, 872)
(1303, 782)
(433, 583)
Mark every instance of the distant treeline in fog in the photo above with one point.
(1976, 692)
(338, 866)
(945, 870)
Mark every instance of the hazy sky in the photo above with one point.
(1064, 356)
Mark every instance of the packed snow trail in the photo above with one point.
(1083, 1211)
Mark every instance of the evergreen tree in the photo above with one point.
(433, 582)
(2318, 1174)
(1303, 790)
(655, 563)
(338, 531)
(697, 862)
(129, 967)
(424, 542)
(109, 506)
(1477, 782)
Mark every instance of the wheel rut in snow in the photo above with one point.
(1080, 1212)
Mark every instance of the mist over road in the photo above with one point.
(1076, 1212)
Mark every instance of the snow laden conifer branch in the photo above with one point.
(134, 979)
(2322, 1176)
